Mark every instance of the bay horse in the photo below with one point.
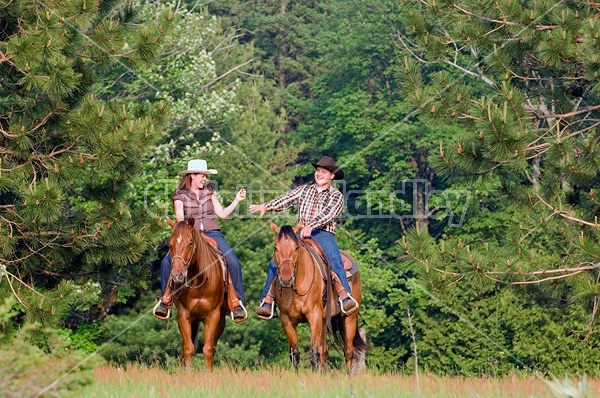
(299, 292)
(199, 290)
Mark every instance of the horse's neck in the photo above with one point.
(203, 263)
(195, 267)
(305, 263)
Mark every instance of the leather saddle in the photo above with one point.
(350, 266)
(232, 299)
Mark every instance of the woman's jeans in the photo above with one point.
(332, 254)
(233, 265)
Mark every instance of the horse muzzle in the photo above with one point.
(178, 277)
(286, 273)
(286, 283)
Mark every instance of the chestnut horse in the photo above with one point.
(199, 289)
(299, 293)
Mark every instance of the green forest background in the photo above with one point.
(468, 131)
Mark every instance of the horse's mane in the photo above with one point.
(179, 227)
(209, 261)
(287, 231)
(207, 257)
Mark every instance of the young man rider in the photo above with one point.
(318, 206)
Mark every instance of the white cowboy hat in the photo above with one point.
(197, 166)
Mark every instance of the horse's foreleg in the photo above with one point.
(213, 327)
(318, 350)
(295, 357)
(185, 329)
(314, 357)
(292, 334)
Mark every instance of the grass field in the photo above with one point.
(148, 382)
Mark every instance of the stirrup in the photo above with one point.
(158, 316)
(272, 311)
(342, 305)
(242, 319)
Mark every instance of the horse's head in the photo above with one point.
(182, 247)
(286, 252)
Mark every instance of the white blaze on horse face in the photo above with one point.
(179, 238)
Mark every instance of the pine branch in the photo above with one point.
(451, 63)
(5, 273)
(71, 276)
(501, 22)
(566, 214)
(487, 80)
(570, 114)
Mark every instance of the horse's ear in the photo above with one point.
(171, 222)
(191, 221)
(273, 226)
(298, 226)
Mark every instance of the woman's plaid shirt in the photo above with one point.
(317, 209)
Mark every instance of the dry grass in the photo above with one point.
(137, 381)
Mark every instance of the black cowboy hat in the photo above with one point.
(327, 162)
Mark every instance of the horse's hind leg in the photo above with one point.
(349, 323)
(350, 326)
(194, 335)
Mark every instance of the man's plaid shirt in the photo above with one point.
(317, 209)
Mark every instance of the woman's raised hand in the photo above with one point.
(241, 195)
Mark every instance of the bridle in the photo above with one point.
(185, 262)
(294, 266)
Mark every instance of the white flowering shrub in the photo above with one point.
(186, 78)
(86, 295)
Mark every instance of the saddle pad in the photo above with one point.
(213, 243)
(210, 241)
(350, 266)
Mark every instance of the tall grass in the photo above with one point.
(149, 382)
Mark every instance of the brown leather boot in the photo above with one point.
(162, 309)
(348, 304)
(266, 310)
(235, 305)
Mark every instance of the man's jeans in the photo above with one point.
(332, 254)
(233, 265)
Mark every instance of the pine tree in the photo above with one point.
(533, 134)
(67, 155)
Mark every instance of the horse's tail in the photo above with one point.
(339, 335)
(360, 344)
